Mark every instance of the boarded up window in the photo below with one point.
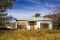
(21, 24)
(44, 24)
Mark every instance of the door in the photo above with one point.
(32, 25)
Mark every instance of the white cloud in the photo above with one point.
(48, 5)
(34, 1)
(51, 5)
(24, 13)
(20, 13)
(33, 8)
(23, 10)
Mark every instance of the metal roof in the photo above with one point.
(34, 18)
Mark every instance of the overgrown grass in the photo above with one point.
(30, 34)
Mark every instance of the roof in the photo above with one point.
(34, 18)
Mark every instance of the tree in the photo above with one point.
(37, 15)
(55, 20)
(56, 9)
(4, 5)
(55, 16)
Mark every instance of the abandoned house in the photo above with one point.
(34, 23)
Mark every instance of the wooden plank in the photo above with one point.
(32, 25)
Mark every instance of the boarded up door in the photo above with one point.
(32, 25)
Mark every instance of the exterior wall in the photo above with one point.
(28, 26)
(37, 25)
(16, 25)
(44, 21)
(21, 22)
(50, 25)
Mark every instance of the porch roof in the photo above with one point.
(34, 19)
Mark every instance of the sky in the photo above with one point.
(28, 8)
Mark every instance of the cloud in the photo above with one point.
(34, 1)
(23, 9)
(24, 13)
(20, 13)
(49, 5)
(32, 8)
(44, 1)
(52, 5)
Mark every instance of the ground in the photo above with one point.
(20, 34)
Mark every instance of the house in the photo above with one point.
(32, 23)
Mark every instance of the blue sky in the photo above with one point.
(27, 8)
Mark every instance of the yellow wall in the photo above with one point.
(43, 22)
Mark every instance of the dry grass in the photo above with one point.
(30, 34)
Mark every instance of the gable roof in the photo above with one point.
(34, 19)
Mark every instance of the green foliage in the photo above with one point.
(55, 20)
(3, 15)
(4, 5)
(37, 15)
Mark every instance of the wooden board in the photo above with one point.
(21, 23)
(32, 25)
